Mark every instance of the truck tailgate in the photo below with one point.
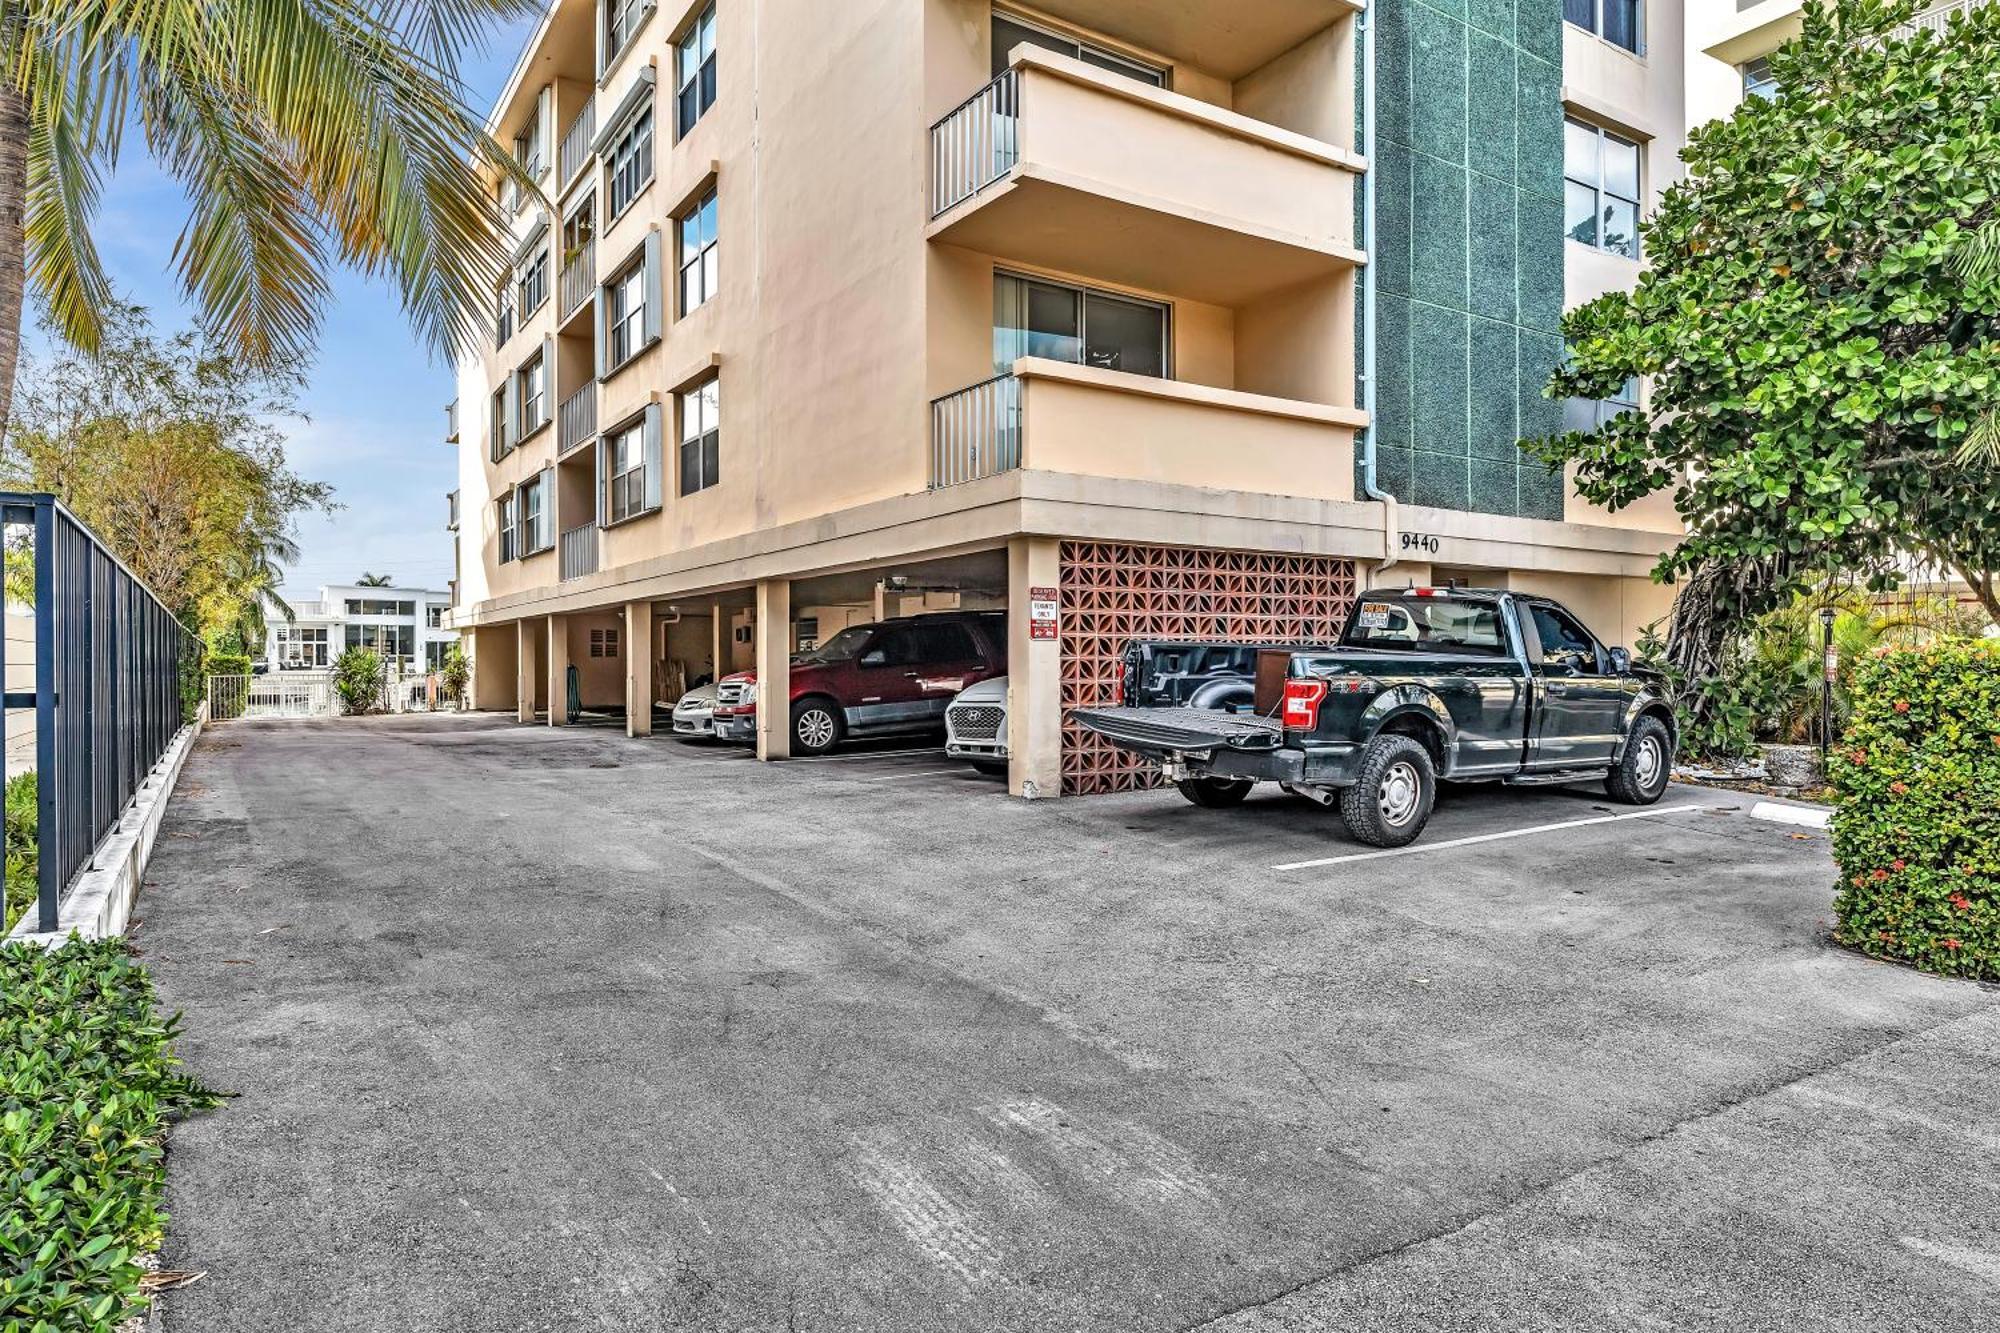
(1161, 730)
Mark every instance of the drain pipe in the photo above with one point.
(1371, 488)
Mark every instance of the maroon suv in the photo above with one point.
(874, 680)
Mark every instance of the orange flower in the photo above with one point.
(1878, 875)
(1902, 705)
(1861, 756)
(1961, 902)
(1897, 865)
(1900, 788)
(1953, 945)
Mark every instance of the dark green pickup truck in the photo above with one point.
(1470, 684)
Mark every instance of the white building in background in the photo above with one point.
(402, 624)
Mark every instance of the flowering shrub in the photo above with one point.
(1917, 836)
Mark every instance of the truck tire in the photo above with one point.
(1642, 773)
(816, 726)
(1391, 799)
(1215, 793)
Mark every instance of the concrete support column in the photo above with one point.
(774, 668)
(718, 632)
(558, 660)
(1034, 673)
(638, 668)
(525, 656)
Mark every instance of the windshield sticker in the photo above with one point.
(1374, 615)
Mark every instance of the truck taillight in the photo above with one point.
(1300, 711)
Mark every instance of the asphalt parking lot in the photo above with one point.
(544, 1029)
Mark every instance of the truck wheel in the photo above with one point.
(1215, 793)
(1641, 776)
(815, 726)
(1391, 799)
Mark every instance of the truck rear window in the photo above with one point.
(1427, 624)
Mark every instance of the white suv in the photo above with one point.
(975, 725)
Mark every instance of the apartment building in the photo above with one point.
(1157, 312)
(403, 625)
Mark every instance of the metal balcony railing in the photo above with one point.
(579, 551)
(574, 153)
(451, 511)
(976, 431)
(578, 280)
(976, 144)
(576, 419)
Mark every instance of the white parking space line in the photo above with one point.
(921, 773)
(1416, 848)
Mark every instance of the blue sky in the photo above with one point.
(375, 398)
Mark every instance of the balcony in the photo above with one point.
(578, 281)
(451, 422)
(574, 154)
(576, 419)
(578, 552)
(451, 511)
(1060, 165)
(1230, 38)
(1053, 416)
(1936, 18)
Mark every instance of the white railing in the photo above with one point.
(579, 552)
(575, 150)
(976, 144)
(1935, 18)
(276, 694)
(577, 282)
(976, 432)
(576, 419)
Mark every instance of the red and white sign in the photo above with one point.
(1041, 613)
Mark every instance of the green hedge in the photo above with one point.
(87, 1086)
(24, 859)
(228, 664)
(1917, 835)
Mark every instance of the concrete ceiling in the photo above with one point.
(1226, 37)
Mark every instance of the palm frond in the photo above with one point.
(1982, 443)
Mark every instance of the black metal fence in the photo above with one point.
(108, 663)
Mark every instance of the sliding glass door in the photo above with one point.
(1081, 325)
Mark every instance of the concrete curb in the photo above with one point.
(100, 898)
(1805, 816)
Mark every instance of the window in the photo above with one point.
(1009, 33)
(434, 616)
(509, 533)
(500, 427)
(398, 641)
(694, 73)
(701, 436)
(1600, 189)
(377, 606)
(631, 161)
(1427, 624)
(531, 287)
(1616, 21)
(1758, 81)
(434, 654)
(528, 148)
(698, 271)
(1564, 643)
(625, 469)
(891, 648)
(1592, 413)
(300, 648)
(625, 316)
(1035, 317)
(503, 315)
(532, 392)
(604, 643)
(537, 533)
(945, 642)
(622, 18)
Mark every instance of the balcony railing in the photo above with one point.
(579, 551)
(575, 150)
(976, 432)
(451, 422)
(1935, 18)
(451, 511)
(576, 419)
(578, 280)
(976, 144)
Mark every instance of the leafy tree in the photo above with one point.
(1817, 323)
(372, 581)
(306, 133)
(173, 453)
(358, 674)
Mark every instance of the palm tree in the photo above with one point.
(255, 575)
(372, 581)
(307, 133)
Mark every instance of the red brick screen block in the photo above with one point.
(1113, 593)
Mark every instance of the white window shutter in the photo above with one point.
(547, 537)
(512, 413)
(545, 126)
(548, 376)
(603, 339)
(654, 293)
(603, 476)
(654, 462)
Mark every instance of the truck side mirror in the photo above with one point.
(1621, 662)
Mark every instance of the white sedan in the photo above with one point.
(975, 725)
(694, 713)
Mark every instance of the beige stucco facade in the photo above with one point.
(866, 197)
